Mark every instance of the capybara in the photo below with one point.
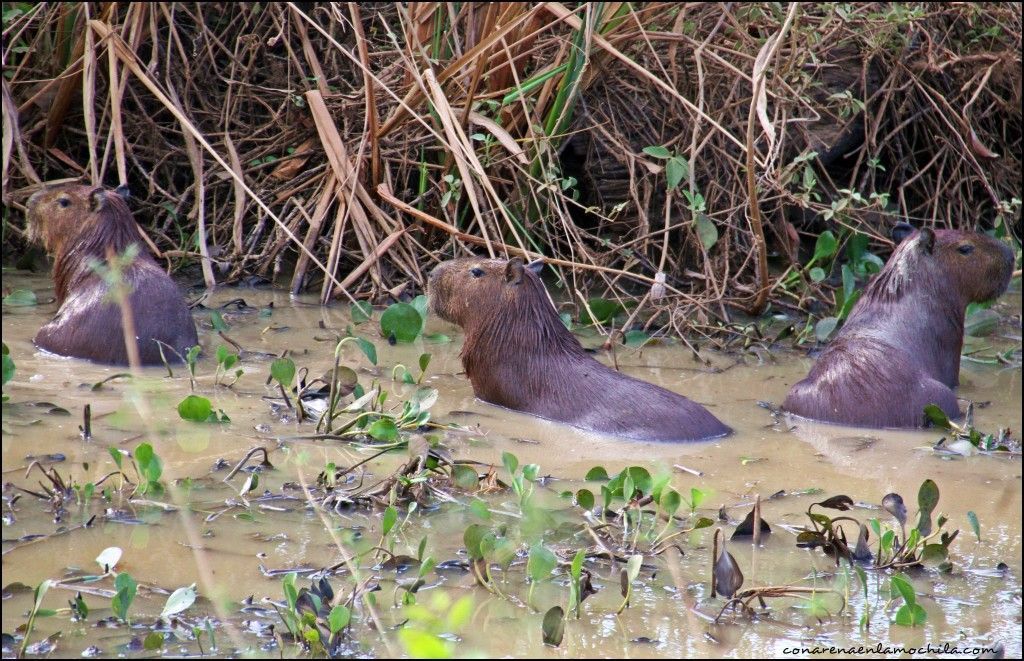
(519, 355)
(79, 225)
(899, 350)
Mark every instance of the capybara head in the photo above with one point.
(62, 216)
(969, 266)
(466, 290)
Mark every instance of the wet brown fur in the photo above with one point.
(79, 225)
(899, 350)
(519, 355)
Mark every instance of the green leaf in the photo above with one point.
(339, 618)
(602, 310)
(670, 501)
(390, 517)
(217, 319)
(153, 641)
(936, 416)
(585, 499)
(282, 370)
(825, 327)
(636, 338)
(8, 368)
(911, 615)
(422, 645)
(707, 232)
(360, 311)
(972, 518)
(20, 298)
(633, 566)
(421, 304)
(817, 274)
(401, 321)
(179, 601)
(904, 588)
(927, 499)
(424, 361)
(553, 627)
(195, 408)
(657, 151)
(825, 246)
(676, 170)
(465, 476)
(540, 562)
(473, 538)
(596, 473)
(510, 461)
(383, 429)
(368, 348)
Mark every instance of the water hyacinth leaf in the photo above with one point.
(636, 338)
(126, 590)
(641, 479)
(540, 562)
(903, 588)
(927, 499)
(530, 471)
(421, 304)
(585, 499)
(338, 619)
(383, 429)
(21, 298)
(596, 473)
(746, 527)
(728, 577)
(862, 551)
(670, 501)
(153, 641)
(972, 518)
(465, 477)
(480, 510)
(510, 461)
(282, 370)
(911, 615)
(842, 503)
(817, 274)
(424, 361)
(934, 555)
(360, 312)
(893, 504)
(109, 557)
(195, 408)
(602, 310)
(473, 538)
(8, 369)
(703, 522)
(402, 322)
(697, 497)
(179, 601)
(936, 416)
(368, 349)
(389, 519)
(553, 626)
(217, 320)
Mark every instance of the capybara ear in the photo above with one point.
(536, 266)
(901, 231)
(514, 271)
(926, 240)
(123, 191)
(97, 198)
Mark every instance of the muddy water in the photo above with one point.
(167, 548)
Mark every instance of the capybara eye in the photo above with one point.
(965, 249)
(63, 201)
(477, 273)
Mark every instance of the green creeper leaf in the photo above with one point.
(707, 232)
(390, 517)
(817, 274)
(676, 170)
(825, 246)
(657, 151)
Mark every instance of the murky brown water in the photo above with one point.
(665, 619)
